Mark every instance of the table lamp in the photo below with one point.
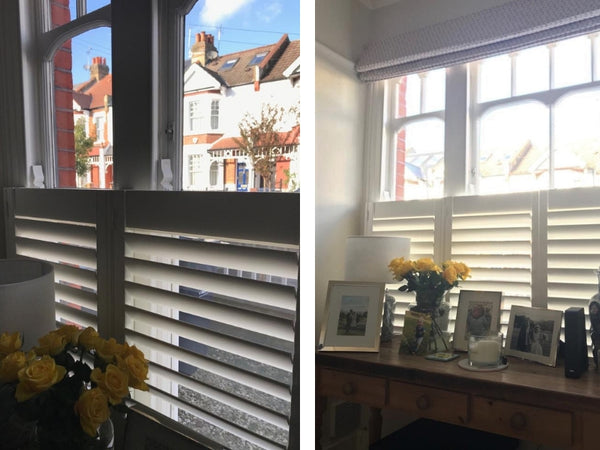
(367, 259)
(27, 299)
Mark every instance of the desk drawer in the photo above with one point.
(544, 426)
(432, 403)
(352, 387)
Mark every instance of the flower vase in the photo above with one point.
(434, 305)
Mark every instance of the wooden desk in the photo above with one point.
(527, 400)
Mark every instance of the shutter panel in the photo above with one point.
(493, 236)
(573, 247)
(415, 220)
(44, 228)
(214, 314)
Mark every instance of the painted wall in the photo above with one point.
(339, 135)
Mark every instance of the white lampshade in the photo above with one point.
(27, 299)
(367, 257)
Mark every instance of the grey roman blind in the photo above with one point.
(508, 27)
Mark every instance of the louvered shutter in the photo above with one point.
(206, 284)
(210, 292)
(493, 236)
(573, 247)
(60, 227)
(415, 220)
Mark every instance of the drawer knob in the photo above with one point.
(348, 388)
(518, 421)
(423, 402)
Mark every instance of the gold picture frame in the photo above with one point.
(352, 319)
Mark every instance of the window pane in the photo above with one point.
(409, 96)
(494, 78)
(435, 90)
(513, 149)
(420, 160)
(572, 62)
(532, 70)
(250, 93)
(83, 111)
(68, 9)
(577, 148)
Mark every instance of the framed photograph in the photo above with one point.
(533, 334)
(416, 334)
(352, 320)
(478, 314)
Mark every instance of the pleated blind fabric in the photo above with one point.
(508, 27)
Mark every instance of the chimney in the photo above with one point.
(98, 69)
(203, 51)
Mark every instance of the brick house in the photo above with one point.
(218, 91)
(92, 100)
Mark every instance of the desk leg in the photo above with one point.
(375, 421)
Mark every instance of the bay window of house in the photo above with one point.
(522, 217)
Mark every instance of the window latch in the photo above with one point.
(169, 131)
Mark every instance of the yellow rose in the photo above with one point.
(136, 368)
(38, 376)
(92, 409)
(87, 338)
(107, 349)
(400, 267)
(70, 332)
(51, 344)
(9, 343)
(450, 274)
(463, 270)
(10, 366)
(425, 264)
(114, 382)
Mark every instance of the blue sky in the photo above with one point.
(235, 24)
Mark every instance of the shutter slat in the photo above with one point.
(57, 253)
(277, 298)
(257, 260)
(217, 317)
(76, 316)
(74, 235)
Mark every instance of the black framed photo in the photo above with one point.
(533, 334)
(478, 314)
(352, 320)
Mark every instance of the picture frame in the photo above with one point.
(352, 319)
(533, 334)
(478, 313)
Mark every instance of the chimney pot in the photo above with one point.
(197, 37)
(203, 36)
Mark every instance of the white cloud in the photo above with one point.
(270, 11)
(215, 12)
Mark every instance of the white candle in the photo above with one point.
(484, 352)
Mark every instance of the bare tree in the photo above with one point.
(262, 141)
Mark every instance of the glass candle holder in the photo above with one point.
(485, 351)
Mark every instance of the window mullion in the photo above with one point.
(455, 145)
